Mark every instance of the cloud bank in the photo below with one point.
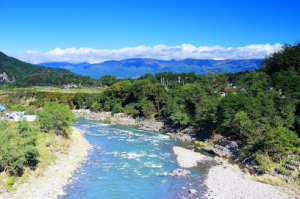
(184, 51)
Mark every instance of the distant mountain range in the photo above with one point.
(138, 66)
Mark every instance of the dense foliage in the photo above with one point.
(17, 146)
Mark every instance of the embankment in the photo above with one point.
(50, 185)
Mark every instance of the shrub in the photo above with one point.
(18, 107)
(117, 108)
(264, 161)
(10, 182)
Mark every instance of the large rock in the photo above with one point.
(232, 145)
(124, 121)
(150, 125)
(193, 192)
(89, 115)
(180, 136)
(218, 150)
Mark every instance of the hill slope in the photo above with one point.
(28, 74)
(138, 66)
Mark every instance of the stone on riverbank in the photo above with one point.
(181, 137)
(187, 158)
(218, 150)
(150, 125)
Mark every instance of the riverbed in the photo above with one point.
(126, 162)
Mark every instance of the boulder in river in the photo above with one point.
(180, 172)
(193, 192)
(131, 133)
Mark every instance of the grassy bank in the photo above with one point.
(59, 157)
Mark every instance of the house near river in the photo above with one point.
(234, 89)
(18, 116)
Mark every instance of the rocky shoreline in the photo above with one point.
(174, 131)
(119, 118)
(227, 181)
(50, 185)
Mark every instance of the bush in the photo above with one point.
(130, 109)
(57, 117)
(10, 182)
(117, 108)
(17, 147)
(18, 107)
(264, 161)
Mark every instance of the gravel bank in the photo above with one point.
(187, 158)
(225, 182)
(50, 185)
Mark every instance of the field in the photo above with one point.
(57, 89)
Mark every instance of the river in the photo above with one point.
(130, 166)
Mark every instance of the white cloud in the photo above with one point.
(73, 55)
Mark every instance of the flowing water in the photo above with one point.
(130, 166)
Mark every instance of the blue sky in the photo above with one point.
(45, 25)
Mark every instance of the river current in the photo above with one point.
(126, 166)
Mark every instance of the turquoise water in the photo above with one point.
(134, 175)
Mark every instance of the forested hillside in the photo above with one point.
(27, 74)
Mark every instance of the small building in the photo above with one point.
(28, 118)
(18, 116)
(234, 90)
(69, 86)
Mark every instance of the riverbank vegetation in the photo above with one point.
(260, 109)
(28, 148)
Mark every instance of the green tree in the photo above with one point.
(57, 117)
(148, 109)
(242, 126)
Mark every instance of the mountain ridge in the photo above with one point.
(26, 74)
(135, 67)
